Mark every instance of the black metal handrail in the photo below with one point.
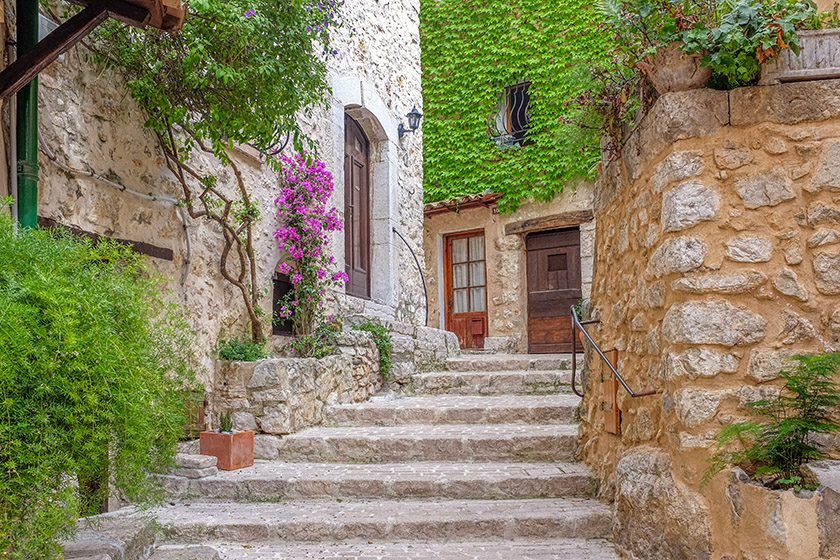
(420, 270)
(577, 324)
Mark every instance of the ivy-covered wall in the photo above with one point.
(471, 50)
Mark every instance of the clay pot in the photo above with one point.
(673, 70)
(233, 450)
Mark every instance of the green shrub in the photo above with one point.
(92, 378)
(240, 349)
(782, 442)
(317, 344)
(382, 338)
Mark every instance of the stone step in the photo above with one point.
(510, 362)
(445, 442)
(451, 409)
(110, 536)
(187, 552)
(523, 382)
(555, 549)
(383, 520)
(276, 480)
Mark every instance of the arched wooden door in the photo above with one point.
(356, 209)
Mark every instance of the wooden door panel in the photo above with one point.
(554, 285)
(467, 317)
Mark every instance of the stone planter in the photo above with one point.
(818, 59)
(233, 450)
(673, 70)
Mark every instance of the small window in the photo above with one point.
(282, 286)
(508, 127)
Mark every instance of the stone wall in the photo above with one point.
(507, 302)
(718, 255)
(89, 122)
(285, 395)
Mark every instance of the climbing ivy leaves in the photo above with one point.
(471, 50)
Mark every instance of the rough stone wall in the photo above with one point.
(285, 395)
(507, 302)
(718, 255)
(90, 122)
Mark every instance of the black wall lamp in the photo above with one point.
(414, 117)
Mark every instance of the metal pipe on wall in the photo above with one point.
(27, 120)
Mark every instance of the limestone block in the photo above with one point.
(775, 146)
(697, 406)
(266, 447)
(677, 254)
(819, 213)
(733, 157)
(192, 461)
(827, 272)
(825, 473)
(657, 517)
(824, 236)
(689, 442)
(749, 248)
(793, 254)
(700, 362)
(748, 395)
(656, 294)
(787, 282)
(834, 325)
(268, 374)
(243, 421)
(734, 283)
(196, 473)
(276, 420)
(712, 322)
(765, 363)
(789, 103)
(687, 205)
(765, 189)
(827, 176)
(796, 328)
(676, 167)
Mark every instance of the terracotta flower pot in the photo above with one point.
(233, 450)
(673, 70)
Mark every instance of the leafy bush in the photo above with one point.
(382, 338)
(240, 349)
(92, 372)
(783, 441)
(317, 344)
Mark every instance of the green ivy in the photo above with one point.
(471, 50)
(382, 339)
(92, 364)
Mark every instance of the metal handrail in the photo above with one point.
(420, 270)
(577, 324)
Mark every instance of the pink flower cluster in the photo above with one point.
(307, 224)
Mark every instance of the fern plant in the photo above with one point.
(782, 441)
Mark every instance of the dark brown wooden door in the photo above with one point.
(553, 287)
(465, 287)
(356, 209)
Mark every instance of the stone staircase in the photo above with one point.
(476, 463)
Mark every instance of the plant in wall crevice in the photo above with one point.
(782, 438)
(383, 341)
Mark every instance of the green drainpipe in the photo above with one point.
(27, 120)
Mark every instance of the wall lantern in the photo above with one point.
(414, 117)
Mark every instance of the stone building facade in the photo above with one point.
(505, 255)
(718, 255)
(101, 172)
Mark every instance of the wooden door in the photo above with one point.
(465, 287)
(356, 209)
(553, 260)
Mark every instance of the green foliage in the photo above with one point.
(240, 349)
(319, 343)
(473, 49)
(93, 367)
(382, 338)
(225, 422)
(782, 441)
(747, 34)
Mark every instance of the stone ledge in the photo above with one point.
(789, 103)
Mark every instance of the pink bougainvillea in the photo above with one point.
(304, 233)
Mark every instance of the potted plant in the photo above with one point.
(234, 449)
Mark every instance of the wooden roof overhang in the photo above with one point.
(167, 15)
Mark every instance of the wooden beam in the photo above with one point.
(30, 63)
(136, 246)
(554, 221)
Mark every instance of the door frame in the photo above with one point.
(448, 281)
(351, 123)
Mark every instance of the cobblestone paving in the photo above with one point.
(457, 409)
(560, 549)
(275, 480)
